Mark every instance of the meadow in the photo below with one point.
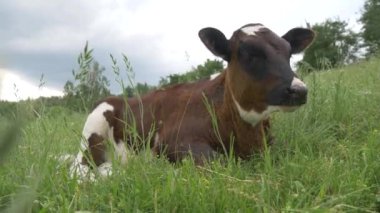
(326, 159)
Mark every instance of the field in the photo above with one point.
(326, 159)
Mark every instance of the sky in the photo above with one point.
(159, 37)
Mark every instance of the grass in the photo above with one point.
(326, 159)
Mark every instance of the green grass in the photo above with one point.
(326, 159)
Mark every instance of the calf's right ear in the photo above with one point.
(216, 42)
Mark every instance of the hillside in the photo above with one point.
(326, 158)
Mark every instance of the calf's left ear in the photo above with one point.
(299, 38)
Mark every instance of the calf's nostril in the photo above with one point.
(290, 91)
(302, 92)
(298, 88)
(297, 92)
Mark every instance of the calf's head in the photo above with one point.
(259, 76)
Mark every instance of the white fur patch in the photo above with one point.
(156, 140)
(121, 151)
(110, 134)
(84, 173)
(298, 83)
(67, 158)
(105, 169)
(252, 117)
(83, 144)
(96, 122)
(252, 30)
(213, 76)
(80, 171)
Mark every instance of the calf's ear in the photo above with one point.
(299, 38)
(216, 42)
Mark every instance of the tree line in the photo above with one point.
(337, 45)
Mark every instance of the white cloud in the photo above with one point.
(15, 88)
(156, 35)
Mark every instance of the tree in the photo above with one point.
(68, 89)
(208, 68)
(139, 88)
(144, 88)
(371, 25)
(90, 83)
(129, 91)
(334, 45)
(201, 71)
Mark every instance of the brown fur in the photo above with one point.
(179, 116)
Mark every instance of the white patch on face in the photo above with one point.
(252, 30)
(252, 117)
(213, 76)
(297, 83)
(96, 122)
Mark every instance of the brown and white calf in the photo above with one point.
(258, 80)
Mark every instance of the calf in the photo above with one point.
(178, 120)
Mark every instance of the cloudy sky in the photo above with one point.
(159, 36)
